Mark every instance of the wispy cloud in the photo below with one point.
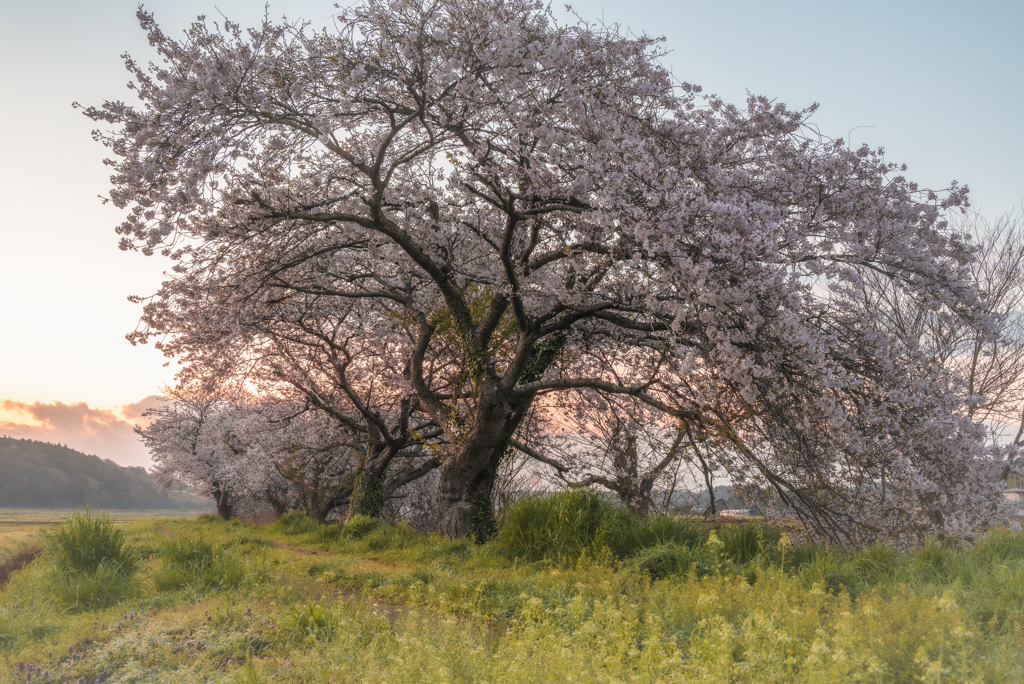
(105, 433)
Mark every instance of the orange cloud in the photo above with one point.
(91, 430)
(138, 408)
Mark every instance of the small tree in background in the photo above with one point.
(986, 361)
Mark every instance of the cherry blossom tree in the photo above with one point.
(188, 443)
(295, 458)
(325, 361)
(516, 209)
(248, 453)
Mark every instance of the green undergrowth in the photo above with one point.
(566, 526)
(92, 562)
(193, 561)
(596, 596)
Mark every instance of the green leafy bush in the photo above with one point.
(93, 562)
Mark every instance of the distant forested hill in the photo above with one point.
(43, 475)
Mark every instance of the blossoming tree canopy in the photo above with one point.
(517, 208)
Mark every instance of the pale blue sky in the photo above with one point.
(939, 83)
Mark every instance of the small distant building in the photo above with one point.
(1014, 493)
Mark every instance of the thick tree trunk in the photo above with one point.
(464, 495)
(223, 500)
(636, 495)
(368, 493)
(464, 506)
(466, 485)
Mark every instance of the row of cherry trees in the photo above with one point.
(454, 232)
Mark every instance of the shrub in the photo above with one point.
(295, 522)
(93, 562)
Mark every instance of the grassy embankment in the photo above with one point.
(571, 591)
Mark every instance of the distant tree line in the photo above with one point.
(43, 475)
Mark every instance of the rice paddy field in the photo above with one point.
(570, 591)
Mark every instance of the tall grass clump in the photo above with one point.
(295, 522)
(359, 526)
(568, 525)
(356, 527)
(670, 559)
(561, 526)
(249, 674)
(93, 563)
(745, 542)
(310, 621)
(193, 561)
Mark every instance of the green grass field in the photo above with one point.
(366, 602)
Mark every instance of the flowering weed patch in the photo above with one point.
(386, 604)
